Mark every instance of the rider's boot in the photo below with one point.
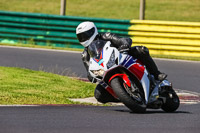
(153, 69)
(161, 76)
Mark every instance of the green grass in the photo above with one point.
(23, 86)
(172, 10)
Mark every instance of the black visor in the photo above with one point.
(84, 36)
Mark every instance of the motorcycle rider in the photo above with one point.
(87, 32)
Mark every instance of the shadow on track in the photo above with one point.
(155, 112)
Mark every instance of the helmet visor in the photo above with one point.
(84, 36)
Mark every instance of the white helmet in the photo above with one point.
(86, 33)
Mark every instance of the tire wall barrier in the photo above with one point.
(161, 37)
(167, 37)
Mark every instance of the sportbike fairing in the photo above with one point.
(105, 57)
(107, 62)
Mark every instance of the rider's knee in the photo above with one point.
(98, 93)
(103, 96)
(142, 50)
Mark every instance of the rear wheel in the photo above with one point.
(130, 100)
(172, 101)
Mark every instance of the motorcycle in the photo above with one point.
(128, 80)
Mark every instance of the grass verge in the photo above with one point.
(172, 10)
(23, 86)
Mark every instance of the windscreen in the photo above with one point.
(95, 48)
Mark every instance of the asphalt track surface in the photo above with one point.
(90, 119)
(75, 119)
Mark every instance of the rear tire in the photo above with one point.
(172, 101)
(125, 98)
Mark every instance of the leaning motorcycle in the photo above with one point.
(128, 80)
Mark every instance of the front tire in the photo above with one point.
(125, 98)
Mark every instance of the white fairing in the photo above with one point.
(107, 52)
(145, 84)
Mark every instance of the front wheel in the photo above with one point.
(125, 98)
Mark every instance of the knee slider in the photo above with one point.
(98, 94)
(99, 97)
